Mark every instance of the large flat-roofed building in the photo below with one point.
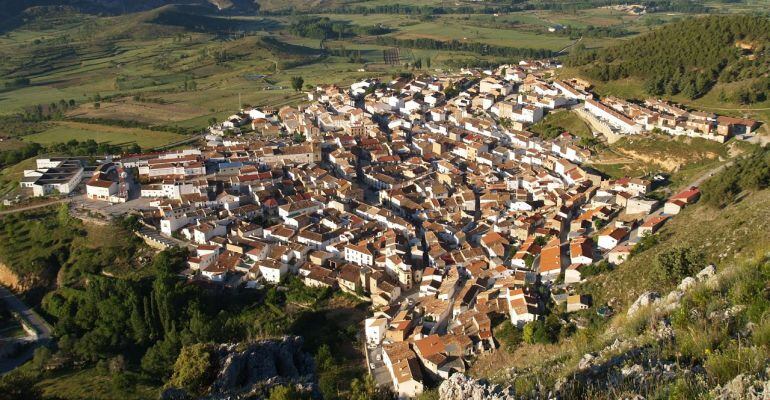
(52, 175)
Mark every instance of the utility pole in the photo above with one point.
(240, 106)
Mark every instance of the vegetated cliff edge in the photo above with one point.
(9, 279)
(251, 370)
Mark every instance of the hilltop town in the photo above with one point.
(426, 196)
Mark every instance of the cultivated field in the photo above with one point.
(64, 131)
(191, 74)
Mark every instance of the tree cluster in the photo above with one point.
(592, 31)
(45, 112)
(748, 173)
(673, 265)
(542, 331)
(325, 28)
(686, 57)
(146, 319)
(472, 47)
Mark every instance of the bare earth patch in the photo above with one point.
(151, 113)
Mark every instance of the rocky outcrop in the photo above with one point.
(626, 364)
(706, 273)
(461, 387)
(249, 371)
(643, 300)
(745, 387)
(671, 300)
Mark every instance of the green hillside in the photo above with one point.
(730, 233)
(687, 57)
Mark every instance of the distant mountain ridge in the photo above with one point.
(11, 8)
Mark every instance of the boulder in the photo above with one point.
(743, 387)
(586, 362)
(633, 370)
(687, 283)
(706, 273)
(645, 299)
(461, 387)
(250, 370)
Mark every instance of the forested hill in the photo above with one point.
(686, 57)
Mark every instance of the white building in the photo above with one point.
(359, 255)
(53, 175)
(375, 330)
(612, 117)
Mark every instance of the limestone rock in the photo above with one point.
(687, 283)
(586, 362)
(743, 387)
(461, 387)
(249, 371)
(706, 273)
(645, 299)
(633, 370)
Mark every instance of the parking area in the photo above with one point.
(380, 371)
(108, 209)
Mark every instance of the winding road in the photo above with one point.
(42, 329)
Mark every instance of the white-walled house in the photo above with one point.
(611, 237)
(273, 271)
(359, 255)
(375, 330)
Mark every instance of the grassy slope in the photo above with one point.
(726, 237)
(683, 158)
(567, 120)
(9, 177)
(40, 245)
(89, 383)
(66, 130)
(737, 232)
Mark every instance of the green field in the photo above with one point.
(566, 120)
(89, 383)
(65, 131)
(446, 30)
(153, 54)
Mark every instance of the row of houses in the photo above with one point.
(441, 210)
(627, 117)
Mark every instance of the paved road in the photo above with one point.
(380, 372)
(192, 139)
(699, 180)
(633, 236)
(570, 45)
(31, 318)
